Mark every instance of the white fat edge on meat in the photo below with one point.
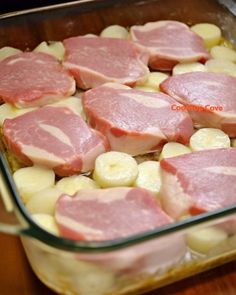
(56, 132)
(173, 198)
(147, 100)
(41, 157)
(16, 60)
(223, 170)
(158, 24)
(77, 226)
(91, 155)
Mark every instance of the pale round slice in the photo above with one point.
(8, 111)
(209, 138)
(144, 88)
(30, 180)
(47, 222)
(53, 48)
(203, 240)
(221, 66)
(72, 184)
(8, 51)
(113, 169)
(210, 33)
(154, 80)
(115, 31)
(173, 149)
(149, 176)
(44, 201)
(222, 52)
(72, 102)
(188, 67)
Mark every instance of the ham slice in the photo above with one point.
(94, 61)
(135, 121)
(107, 214)
(198, 182)
(169, 43)
(31, 79)
(213, 92)
(55, 137)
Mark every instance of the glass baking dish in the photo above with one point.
(139, 263)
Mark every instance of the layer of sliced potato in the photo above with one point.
(209, 138)
(72, 184)
(47, 222)
(145, 88)
(204, 240)
(222, 52)
(188, 67)
(221, 66)
(113, 169)
(154, 80)
(149, 176)
(72, 102)
(30, 180)
(210, 33)
(115, 31)
(53, 48)
(8, 51)
(173, 149)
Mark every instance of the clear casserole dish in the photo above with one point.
(139, 263)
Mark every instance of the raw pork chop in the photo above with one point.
(135, 121)
(206, 90)
(169, 43)
(33, 79)
(199, 182)
(54, 137)
(94, 61)
(106, 214)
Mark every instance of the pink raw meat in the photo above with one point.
(169, 43)
(54, 137)
(135, 121)
(206, 90)
(107, 214)
(94, 61)
(33, 79)
(199, 182)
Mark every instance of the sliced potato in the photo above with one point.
(221, 66)
(30, 180)
(72, 102)
(222, 52)
(188, 67)
(149, 176)
(115, 31)
(154, 80)
(226, 43)
(8, 111)
(209, 138)
(8, 51)
(114, 169)
(144, 88)
(44, 201)
(53, 48)
(47, 222)
(233, 142)
(72, 184)
(203, 240)
(210, 33)
(173, 149)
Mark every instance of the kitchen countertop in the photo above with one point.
(16, 277)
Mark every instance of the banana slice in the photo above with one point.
(72, 102)
(173, 149)
(222, 52)
(30, 180)
(8, 51)
(47, 222)
(53, 48)
(210, 33)
(144, 88)
(188, 67)
(70, 185)
(44, 201)
(114, 169)
(115, 31)
(149, 176)
(154, 80)
(8, 111)
(203, 240)
(221, 66)
(209, 138)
